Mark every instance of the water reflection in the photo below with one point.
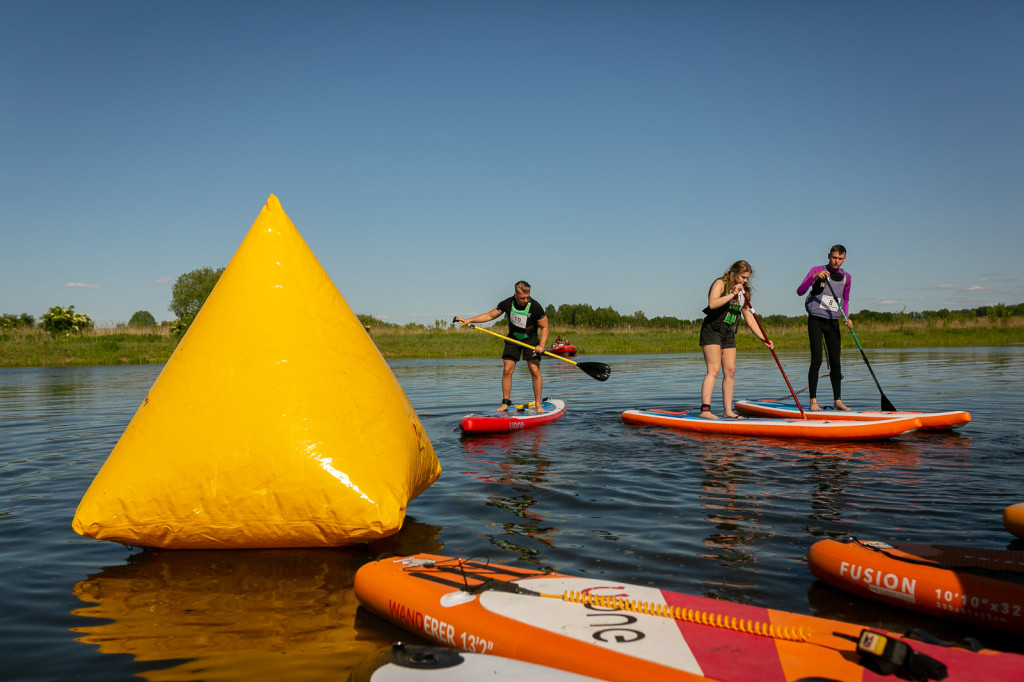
(513, 465)
(228, 614)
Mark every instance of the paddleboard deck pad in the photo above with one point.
(615, 631)
(930, 421)
(809, 429)
(956, 583)
(513, 419)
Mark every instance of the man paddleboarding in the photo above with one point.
(527, 323)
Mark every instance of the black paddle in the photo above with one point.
(596, 370)
(886, 405)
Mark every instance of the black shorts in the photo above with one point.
(718, 334)
(515, 352)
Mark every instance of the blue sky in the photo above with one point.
(616, 153)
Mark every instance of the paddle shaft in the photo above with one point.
(595, 370)
(516, 341)
(791, 391)
(887, 405)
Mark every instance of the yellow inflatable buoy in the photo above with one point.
(275, 423)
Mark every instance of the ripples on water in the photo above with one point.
(725, 517)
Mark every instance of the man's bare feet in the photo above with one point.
(814, 405)
(839, 406)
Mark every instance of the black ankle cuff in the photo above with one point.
(705, 407)
(506, 401)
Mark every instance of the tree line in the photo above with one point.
(191, 289)
(188, 294)
(586, 316)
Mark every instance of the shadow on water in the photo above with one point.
(232, 614)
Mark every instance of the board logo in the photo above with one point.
(614, 623)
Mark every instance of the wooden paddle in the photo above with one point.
(887, 406)
(596, 370)
(791, 391)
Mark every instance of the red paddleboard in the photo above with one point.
(513, 419)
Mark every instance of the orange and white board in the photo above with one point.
(808, 429)
(930, 421)
(611, 630)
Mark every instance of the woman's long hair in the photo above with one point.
(729, 277)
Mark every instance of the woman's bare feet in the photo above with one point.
(814, 405)
(839, 406)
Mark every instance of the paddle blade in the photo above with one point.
(597, 370)
(887, 406)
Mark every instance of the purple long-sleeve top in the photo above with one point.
(814, 302)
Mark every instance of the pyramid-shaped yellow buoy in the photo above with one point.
(275, 423)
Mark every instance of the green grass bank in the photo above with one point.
(36, 348)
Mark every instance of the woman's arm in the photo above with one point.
(748, 317)
(718, 296)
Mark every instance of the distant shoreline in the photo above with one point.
(35, 348)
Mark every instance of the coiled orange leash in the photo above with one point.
(717, 620)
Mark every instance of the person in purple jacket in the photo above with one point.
(823, 315)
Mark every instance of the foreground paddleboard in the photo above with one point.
(514, 419)
(1013, 519)
(939, 580)
(615, 631)
(810, 429)
(931, 421)
(418, 663)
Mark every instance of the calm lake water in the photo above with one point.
(725, 517)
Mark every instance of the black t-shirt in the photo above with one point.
(522, 322)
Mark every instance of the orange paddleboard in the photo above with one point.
(1013, 519)
(935, 579)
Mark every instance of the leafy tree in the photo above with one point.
(65, 321)
(189, 293)
(11, 321)
(142, 318)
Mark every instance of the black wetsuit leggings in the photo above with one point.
(820, 329)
